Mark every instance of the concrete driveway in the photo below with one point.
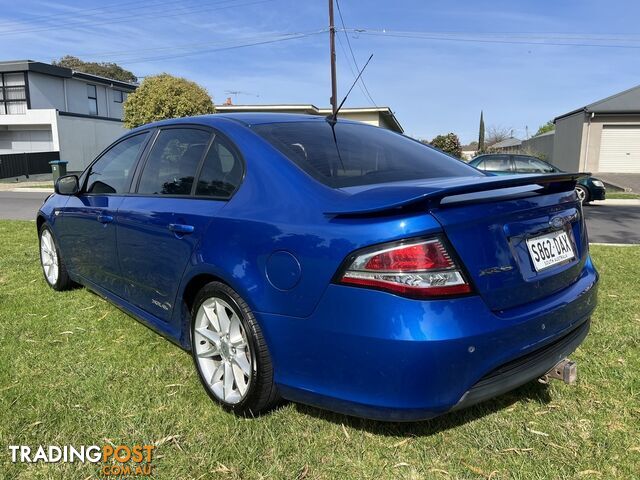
(611, 221)
(624, 180)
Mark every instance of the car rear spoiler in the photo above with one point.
(385, 199)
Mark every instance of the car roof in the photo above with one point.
(494, 155)
(480, 157)
(248, 119)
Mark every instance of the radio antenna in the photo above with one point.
(333, 118)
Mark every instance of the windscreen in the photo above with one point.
(348, 154)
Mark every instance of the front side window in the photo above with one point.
(173, 162)
(112, 173)
(351, 154)
(13, 93)
(92, 97)
(221, 172)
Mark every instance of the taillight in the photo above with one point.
(417, 269)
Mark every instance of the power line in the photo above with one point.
(541, 35)
(84, 12)
(525, 35)
(283, 37)
(187, 46)
(186, 10)
(129, 18)
(344, 30)
(232, 47)
(353, 72)
(431, 36)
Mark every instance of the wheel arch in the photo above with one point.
(40, 220)
(195, 284)
(187, 296)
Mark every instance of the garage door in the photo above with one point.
(620, 149)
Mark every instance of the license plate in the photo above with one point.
(550, 249)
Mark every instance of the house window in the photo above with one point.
(13, 93)
(118, 96)
(92, 96)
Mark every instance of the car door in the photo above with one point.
(161, 225)
(88, 233)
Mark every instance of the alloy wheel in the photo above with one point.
(49, 257)
(222, 350)
(582, 194)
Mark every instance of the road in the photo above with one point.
(20, 205)
(606, 223)
(613, 223)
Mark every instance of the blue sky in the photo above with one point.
(470, 55)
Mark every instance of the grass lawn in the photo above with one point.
(38, 185)
(75, 370)
(623, 195)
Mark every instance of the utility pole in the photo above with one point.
(481, 133)
(332, 46)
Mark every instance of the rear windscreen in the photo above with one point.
(359, 154)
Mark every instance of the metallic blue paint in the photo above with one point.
(283, 270)
(349, 349)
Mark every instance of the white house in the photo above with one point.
(49, 112)
(603, 136)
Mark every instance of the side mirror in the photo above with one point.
(67, 185)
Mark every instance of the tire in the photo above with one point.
(583, 194)
(230, 353)
(53, 266)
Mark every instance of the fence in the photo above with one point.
(18, 164)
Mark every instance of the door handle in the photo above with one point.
(181, 229)
(105, 218)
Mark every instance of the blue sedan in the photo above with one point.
(330, 263)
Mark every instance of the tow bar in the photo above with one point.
(564, 370)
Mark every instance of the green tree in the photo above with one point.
(103, 69)
(165, 96)
(481, 146)
(449, 143)
(547, 127)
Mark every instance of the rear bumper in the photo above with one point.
(525, 368)
(372, 354)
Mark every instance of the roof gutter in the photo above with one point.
(573, 112)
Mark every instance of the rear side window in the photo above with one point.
(359, 154)
(221, 172)
(173, 162)
(112, 172)
(498, 163)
